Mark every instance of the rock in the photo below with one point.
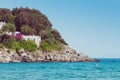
(26, 59)
(66, 55)
(68, 49)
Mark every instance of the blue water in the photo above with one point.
(107, 69)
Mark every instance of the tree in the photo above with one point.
(25, 29)
(32, 17)
(6, 15)
(58, 37)
(56, 34)
(8, 42)
(45, 34)
(9, 27)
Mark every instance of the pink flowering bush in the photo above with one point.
(18, 36)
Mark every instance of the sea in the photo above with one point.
(106, 69)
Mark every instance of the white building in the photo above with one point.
(2, 24)
(37, 39)
(13, 33)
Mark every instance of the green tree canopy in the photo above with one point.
(25, 29)
(6, 15)
(32, 17)
(9, 27)
(57, 36)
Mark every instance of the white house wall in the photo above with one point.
(1, 25)
(37, 39)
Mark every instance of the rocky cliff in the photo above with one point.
(66, 55)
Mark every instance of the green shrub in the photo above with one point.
(51, 46)
(1, 45)
(25, 29)
(8, 43)
(16, 46)
(28, 45)
(11, 43)
(58, 37)
(9, 27)
(45, 34)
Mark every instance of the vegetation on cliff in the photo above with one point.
(29, 22)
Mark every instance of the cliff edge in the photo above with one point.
(66, 55)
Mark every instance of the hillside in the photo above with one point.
(33, 22)
(14, 47)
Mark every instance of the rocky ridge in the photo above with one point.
(66, 55)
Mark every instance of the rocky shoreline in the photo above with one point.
(67, 55)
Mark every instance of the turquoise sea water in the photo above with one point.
(107, 69)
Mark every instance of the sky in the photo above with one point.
(89, 26)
